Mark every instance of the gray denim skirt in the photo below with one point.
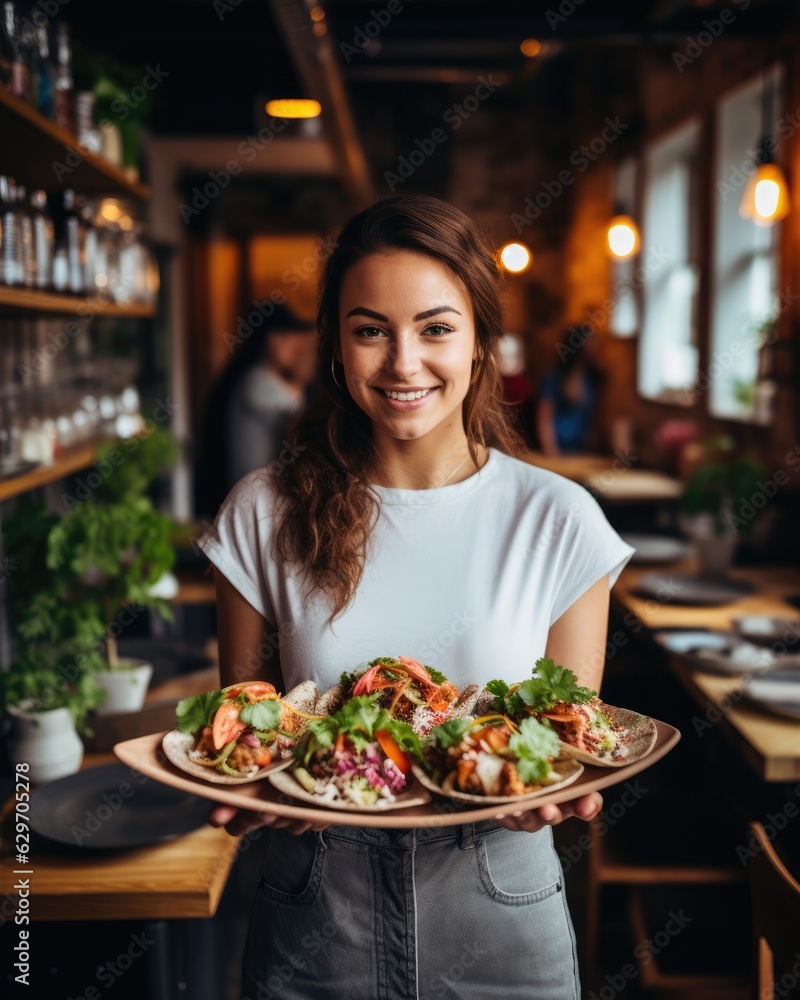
(473, 912)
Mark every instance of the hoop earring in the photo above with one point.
(333, 375)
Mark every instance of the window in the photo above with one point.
(745, 256)
(668, 362)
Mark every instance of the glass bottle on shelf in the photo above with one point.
(91, 239)
(89, 136)
(13, 30)
(42, 240)
(25, 235)
(63, 87)
(72, 229)
(42, 66)
(10, 263)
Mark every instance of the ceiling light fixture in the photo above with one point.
(294, 107)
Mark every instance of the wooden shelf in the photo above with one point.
(33, 149)
(28, 300)
(74, 459)
(718, 953)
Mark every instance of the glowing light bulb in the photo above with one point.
(530, 47)
(623, 237)
(515, 257)
(765, 199)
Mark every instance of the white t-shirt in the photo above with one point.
(467, 577)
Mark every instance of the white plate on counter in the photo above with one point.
(718, 652)
(656, 549)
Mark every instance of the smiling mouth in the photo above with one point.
(404, 396)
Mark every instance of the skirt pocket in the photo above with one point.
(518, 868)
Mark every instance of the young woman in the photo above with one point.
(406, 522)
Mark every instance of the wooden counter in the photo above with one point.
(182, 878)
(614, 479)
(769, 743)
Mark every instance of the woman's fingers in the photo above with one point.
(240, 822)
(586, 808)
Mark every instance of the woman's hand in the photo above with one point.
(240, 822)
(532, 820)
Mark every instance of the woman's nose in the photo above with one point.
(403, 357)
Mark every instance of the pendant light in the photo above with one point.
(622, 236)
(765, 199)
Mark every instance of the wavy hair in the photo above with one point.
(327, 508)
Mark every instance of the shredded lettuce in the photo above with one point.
(359, 719)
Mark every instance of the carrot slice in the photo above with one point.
(393, 751)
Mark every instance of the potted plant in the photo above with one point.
(717, 504)
(112, 554)
(49, 688)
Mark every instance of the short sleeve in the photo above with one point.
(589, 549)
(238, 541)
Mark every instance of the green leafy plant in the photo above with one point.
(722, 487)
(55, 652)
(110, 550)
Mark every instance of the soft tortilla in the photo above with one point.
(466, 701)
(331, 700)
(642, 738)
(568, 771)
(176, 745)
(303, 697)
(484, 705)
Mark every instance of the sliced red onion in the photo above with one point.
(251, 740)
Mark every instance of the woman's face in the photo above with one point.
(407, 342)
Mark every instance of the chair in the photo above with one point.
(776, 920)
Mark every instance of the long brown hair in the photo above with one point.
(327, 508)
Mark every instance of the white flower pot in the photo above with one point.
(125, 686)
(715, 555)
(47, 742)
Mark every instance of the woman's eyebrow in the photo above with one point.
(363, 311)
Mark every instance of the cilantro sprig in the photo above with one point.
(549, 685)
(450, 733)
(196, 712)
(534, 745)
(358, 719)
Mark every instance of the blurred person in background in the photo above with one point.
(567, 400)
(265, 386)
(517, 387)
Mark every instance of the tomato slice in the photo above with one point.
(255, 689)
(393, 750)
(226, 725)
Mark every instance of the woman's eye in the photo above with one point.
(438, 329)
(369, 332)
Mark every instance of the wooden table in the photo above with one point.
(768, 742)
(614, 479)
(182, 878)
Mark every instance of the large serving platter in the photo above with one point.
(145, 755)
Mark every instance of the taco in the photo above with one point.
(589, 729)
(239, 732)
(492, 759)
(360, 754)
(415, 693)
